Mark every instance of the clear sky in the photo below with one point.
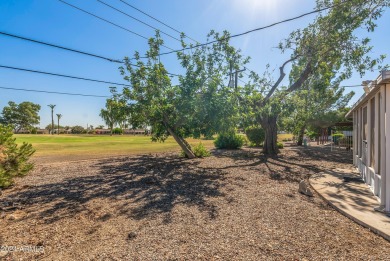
(54, 22)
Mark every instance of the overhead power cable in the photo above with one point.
(51, 92)
(61, 75)
(107, 21)
(60, 47)
(132, 17)
(150, 16)
(70, 49)
(247, 32)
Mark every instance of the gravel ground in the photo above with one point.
(235, 205)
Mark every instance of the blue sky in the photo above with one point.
(57, 23)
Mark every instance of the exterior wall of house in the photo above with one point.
(371, 128)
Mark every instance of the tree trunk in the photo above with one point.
(271, 135)
(111, 127)
(300, 135)
(182, 143)
(52, 122)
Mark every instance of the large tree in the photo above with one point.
(327, 49)
(52, 106)
(59, 116)
(21, 116)
(309, 104)
(201, 104)
(115, 111)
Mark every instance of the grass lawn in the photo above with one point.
(286, 136)
(78, 147)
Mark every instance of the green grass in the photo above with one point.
(78, 147)
(282, 137)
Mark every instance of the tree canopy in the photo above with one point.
(21, 116)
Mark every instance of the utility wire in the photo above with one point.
(60, 47)
(107, 21)
(51, 92)
(71, 50)
(247, 32)
(150, 16)
(60, 75)
(132, 17)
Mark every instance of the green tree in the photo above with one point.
(201, 104)
(309, 104)
(52, 106)
(21, 116)
(59, 116)
(14, 159)
(78, 130)
(326, 48)
(115, 111)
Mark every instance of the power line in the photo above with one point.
(107, 21)
(247, 32)
(51, 92)
(132, 17)
(60, 47)
(60, 75)
(351, 86)
(71, 50)
(150, 16)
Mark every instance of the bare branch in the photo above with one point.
(280, 79)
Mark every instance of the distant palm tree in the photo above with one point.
(52, 117)
(58, 117)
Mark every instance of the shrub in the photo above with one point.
(117, 131)
(200, 151)
(78, 130)
(229, 141)
(280, 145)
(336, 137)
(13, 159)
(255, 135)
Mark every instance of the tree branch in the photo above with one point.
(302, 78)
(280, 79)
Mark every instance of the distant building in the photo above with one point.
(371, 136)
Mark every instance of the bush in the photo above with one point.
(229, 141)
(117, 131)
(255, 135)
(336, 137)
(280, 145)
(200, 151)
(78, 130)
(13, 159)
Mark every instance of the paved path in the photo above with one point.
(353, 199)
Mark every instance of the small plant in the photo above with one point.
(13, 159)
(200, 151)
(336, 137)
(280, 145)
(255, 135)
(229, 141)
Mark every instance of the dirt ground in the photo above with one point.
(235, 205)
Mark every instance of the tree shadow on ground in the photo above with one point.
(137, 187)
(290, 167)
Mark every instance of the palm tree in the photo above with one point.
(52, 117)
(58, 126)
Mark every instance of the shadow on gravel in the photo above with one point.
(290, 167)
(138, 187)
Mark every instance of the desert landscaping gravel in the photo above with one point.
(234, 205)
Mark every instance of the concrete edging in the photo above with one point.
(356, 220)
